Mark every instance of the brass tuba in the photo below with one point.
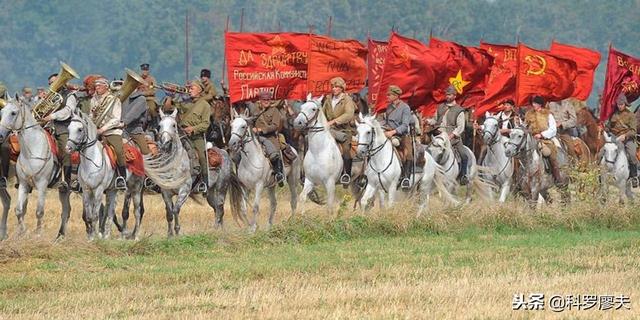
(130, 84)
(3, 103)
(53, 101)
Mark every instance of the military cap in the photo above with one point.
(264, 95)
(144, 66)
(450, 90)
(338, 82)
(509, 102)
(393, 89)
(27, 89)
(622, 99)
(198, 83)
(205, 73)
(538, 99)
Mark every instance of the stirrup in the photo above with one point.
(148, 183)
(3, 183)
(120, 183)
(464, 180)
(280, 179)
(201, 187)
(345, 179)
(405, 183)
(362, 182)
(634, 181)
(74, 185)
(63, 186)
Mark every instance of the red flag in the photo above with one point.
(415, 68)
(375, 64)
(501, 84)
(272, 62)
(541, 73)
(467, 70)
(330, 58)
(587, 61)
(623, 75)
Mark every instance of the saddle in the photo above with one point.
(214, 156)
(14, 146)
(288, 153)
(132, 156)
(153, 146)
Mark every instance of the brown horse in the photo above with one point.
(593, 137)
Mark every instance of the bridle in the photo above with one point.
(442, 154)
(82, 145)
(493, 135)
(372, 152)
(311, 127)
(604, 156)
(519, 145)
(22, 108)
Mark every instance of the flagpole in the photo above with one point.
(242, 20)
(329, 25)
(224, 56)
(186, 46)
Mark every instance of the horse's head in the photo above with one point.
(240, 126)
(79, 134)
(168, 126)
(366, 134)
(309, 112)
(611, 149)
(491, 127)
(439, 146)
(517, 141)
(11, 118)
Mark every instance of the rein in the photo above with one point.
(84, 144)
(373, 152)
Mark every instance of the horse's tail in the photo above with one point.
(238, 197)
(482, 186)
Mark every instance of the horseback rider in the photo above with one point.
(508, 118)
(194, 120)
(134, 117)
(623, 125)
(61, 119)
(4, 148)
(106, 112)
(543, 127)
(150, 94)
(268, 124)
(566, 118)
(339, 109)
(450, 117)
(209, 89)
(396, 122)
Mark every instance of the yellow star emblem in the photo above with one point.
(277, 45)
(402, 56)
(458, 82)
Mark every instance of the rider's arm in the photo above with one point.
(65, 112)
(204, 111)
(459, 125)
(114, 121)
(403, 128)
(551, 131)
(134, 111)
(349, 109)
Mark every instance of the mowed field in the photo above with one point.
(452, 263)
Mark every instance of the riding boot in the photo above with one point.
(121, 178)
(555, 172)
(4, 172)
(276, 164)
(63, 186)
(345, 179)
(203, 185)
(464, 180)
(633, 175)
(405, 181)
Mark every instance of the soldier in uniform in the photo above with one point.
(194, 120)
(27, 97)
(209, 89)
(4, 148)
(268, 124)
(623, 125)
(397, 122)
(339, 109)
(450, 117)
(543, 127)
(106, 111)
(134, 116)
(150, 94)
(566, 118)
(84, 96)
(61, 120)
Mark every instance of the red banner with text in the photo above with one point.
(375, 64)
(331, 58)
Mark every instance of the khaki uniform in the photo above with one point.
(150, 95)
(624, 123)
(343, 114)
(209, 92)
(538, 122)
(269, 121)
(196, 114)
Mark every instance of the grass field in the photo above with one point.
(463, 263)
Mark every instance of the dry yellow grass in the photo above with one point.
(454, 263)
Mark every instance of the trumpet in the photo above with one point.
(170, 87)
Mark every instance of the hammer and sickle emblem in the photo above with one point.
(536, 63)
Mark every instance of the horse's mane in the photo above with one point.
(375, 125)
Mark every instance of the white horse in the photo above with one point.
(95, 175)
(500, 166)
(382, 164)
(442, 152)
(35, 166)
(322, 161)
(254, 169)
(614, 167)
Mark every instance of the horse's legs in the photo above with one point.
(136, 196)
(293, 182)
(504, 191)
(168, 206)
(92, 208)
(111, 212)
(308, 186)
(369, 191)
(183, 194)
(272, 204)
(66, 212)
(392, 194)
(125, 211)
(21, 207)
(256, 207)
(6, 203)
(42, 196)
(330, 186)
(215, 199)
(424, 196)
